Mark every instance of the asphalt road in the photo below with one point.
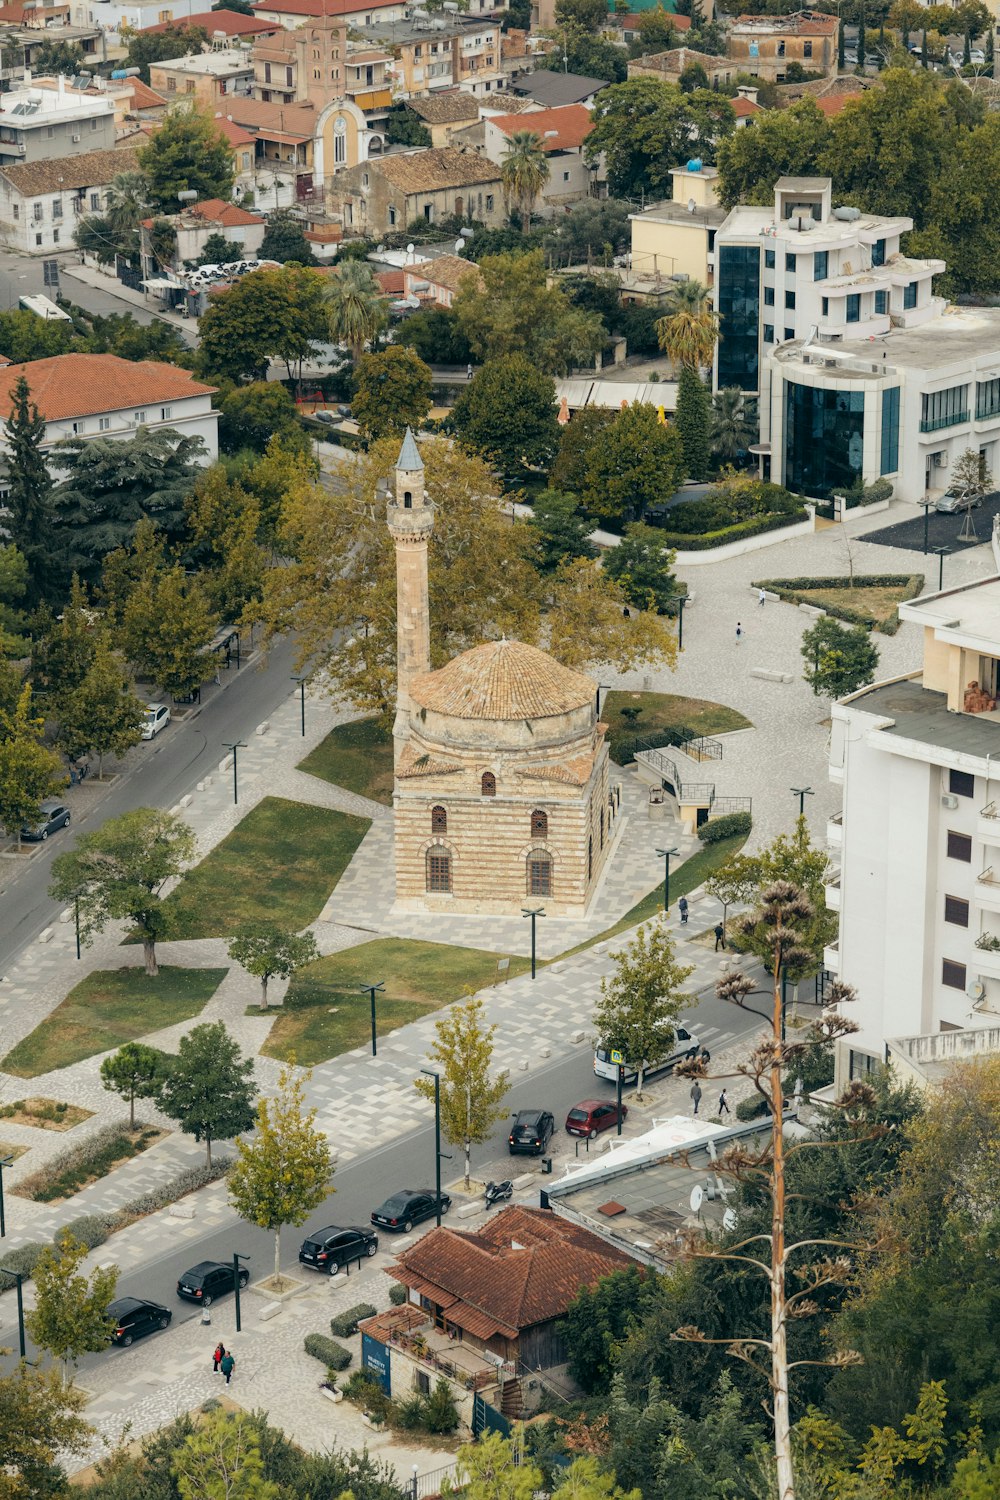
(23, 274)
(172, 764)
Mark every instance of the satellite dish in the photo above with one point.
(697, 1198)
(459, 245)
(975, 989)
(729, 1220)
(692, 205)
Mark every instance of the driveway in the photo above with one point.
(942, 530)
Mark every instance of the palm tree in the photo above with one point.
(734, 423)
(127, 204)
(689, 328)
(356, 307)
(524, 172)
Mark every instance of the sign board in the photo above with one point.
(617, 1057)
(375, 1361)
(50, 272)
(503, 969)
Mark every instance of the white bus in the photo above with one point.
(42, 307)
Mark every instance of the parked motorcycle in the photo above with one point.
(498, 1192)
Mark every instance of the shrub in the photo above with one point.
(410, 1414)
(751, 1108)
(440, 1411)
(755, 526)
(24, 1259)
(815, 1067)
(328, 1351)
(168, 1192)
(346, 1323)
(397, 1295)
(93, 1158)
(793, 591)
(367, 1393)
(725, 827)
(92, 1229)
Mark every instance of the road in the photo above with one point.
(23, 274)
(172, 764)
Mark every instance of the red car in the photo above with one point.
(591, 1116)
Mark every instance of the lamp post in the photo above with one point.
(680, 600)
(236, 1287)
(927, 516)
(302, 699)
(6, 1161)
(372, 989)
(437, 1138)
(533, 912)
(802, 792)
(942, 553)
(665, 855)
(76, 918)
(234, 746)
(18, 1277)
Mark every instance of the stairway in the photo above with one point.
(511, 1399)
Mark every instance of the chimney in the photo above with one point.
(747, 91)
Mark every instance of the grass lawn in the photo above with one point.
(280, 863)
(662, 712)
(325, 1013)
(356, 756)
(878, 603)
(109, 1007)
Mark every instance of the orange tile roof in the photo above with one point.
(229, 21)
(832, 104)
(82, 385)
(502, 680)
(444, 270)
(742, 108)
(391, 282)
(143, 97)
(570, 122)
(218, 211)
(235, 134)
(319, 7)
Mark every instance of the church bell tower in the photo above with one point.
(410, 517)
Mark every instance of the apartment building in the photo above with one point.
(206, 77)
(358, 14)
(675, 240)
(445, 52)
(918, 894)
(765, 46)
(118, 19)
(41, 201)
(46, 124)
(316, 65)
(445, 113)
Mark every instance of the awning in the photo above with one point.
(160, 285)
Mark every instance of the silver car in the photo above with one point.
(54, 815)
(950, 503)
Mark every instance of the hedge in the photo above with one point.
(328, 1351)
(24, 1259)
(94, 1158)
(790, 590)
(346, 1323)
(683, 541)
(725, 827)
(397, 1295)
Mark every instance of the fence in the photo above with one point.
(422, 1486)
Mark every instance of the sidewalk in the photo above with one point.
(187, 327)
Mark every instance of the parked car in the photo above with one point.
(208, 1280)
(331, 1249)
(950, 503)
(977, 56)
(133, 1319)
(591, 1116)
(408, 1207)
(157, 718)
(54, 815)
(531, 1132)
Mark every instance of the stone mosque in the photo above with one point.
(501, 765)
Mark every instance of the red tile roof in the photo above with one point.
(832, 104)
(81, 385)
(229, 21)
(319, 7)
(631, 21)
(143, 97)
(391, 282)
(742, 108)
(218, 211)
(235, 134)
(522, 1268)
(561, 129)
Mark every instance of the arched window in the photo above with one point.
(407, 500)
(438, 868)
(539, 824)
(539, 873)
(489, 784)
(439, 820)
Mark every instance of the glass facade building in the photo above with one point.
(889, 458)
(738, 302)
(824, 439)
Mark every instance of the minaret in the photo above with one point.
(411, 520)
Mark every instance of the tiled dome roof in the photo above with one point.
(503, 680)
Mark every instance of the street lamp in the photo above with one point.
(371, 989)
(18, 1277)
(236, 1287)
(234, 746)
(802, 792)
(927, 504)
(6, 1161)
(532, 912)
(429, 1073)
(680, 600)
(76, 917)
(665, 855)
(942, 553)
(302, 695)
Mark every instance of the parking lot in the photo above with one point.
(942, 530)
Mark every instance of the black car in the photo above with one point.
(408, 1207)
(531, 1132)
(331, 1249)
(207, 1280)
(133, 1318)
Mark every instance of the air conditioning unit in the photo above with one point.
(77, 138)
(940, 460)
(949, 801)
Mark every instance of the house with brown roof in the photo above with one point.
(444, 113)
(668, 66)
(194, 226)
(100, 395)
(765, 46)
(41, 201)
(377, 196)
(489, 1301)
(435, 282)
(232, 24)
(562, 132)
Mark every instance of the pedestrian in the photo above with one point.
(720, 936)
(723, 1104)
(739, 632)
(696, 1095)
(468, 372)
(761, 598)
(682, 907)
(227, 1365)
(218, 1356)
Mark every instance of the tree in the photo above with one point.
(507, 413)
(392, 391)
(55, 57)
(597, 1320)
(118, 870)
(25, 337)
(589, 619)
(221, 1459)
(29, 772)
(638, 462)
(510, 308)
(581, 434)
(134, 1072)
(252, 414)
(209, 1089)
(267, 952)
(563, 530)
(493, 1469)
(39, 1420)
(70, 1316)
(62, 650)
(970, 481)
(692, 419)
(29, 500)
(285, 1171)
(734, 424)
(641, 564)
(174, 40)
(13, 585)
(355, 307)
(433, 334)
(285, 239)
(524, 170)
(168, 633)
(641, 1000)
(471, 1098)
(655, 31)
(643, 127)
(586, 1479)
(405, 128)
(269, 314)
(590, 14)
(188, 153)
(689, 330)
(839, 659)
(783, 142)
(103, 713)
(126, 205)
(579, 52)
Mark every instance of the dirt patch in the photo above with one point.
(45, 1114)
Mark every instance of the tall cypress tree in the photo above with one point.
(30, 499)
(693, 421)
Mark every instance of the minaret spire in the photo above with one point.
(410, 518)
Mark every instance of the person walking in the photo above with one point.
(720, 936)
(227, 1365)
(218, 1356)
(723, 1104)
(468, 372)
(682, 907)
(739, 632)
(762, 598)
(696, 1095)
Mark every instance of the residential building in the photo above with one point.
(765, 46)
(668, 66)
(244, 148)
(549, 89)
(117, 18)
(444, 113)
(23, 34)
(358, 14)
(100, 395)
(46, 124)
(41, 201)
(675, 240)
(829, 94)
(446, 52)
(432, 185)
(193, 226)
(283, 136)
(562, 132)
(315, 65)
(208, 77)
(918, 893)
(436, 281)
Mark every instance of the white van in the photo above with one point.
(686, 1044)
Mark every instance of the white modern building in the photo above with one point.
(46, 124)
(919, 886)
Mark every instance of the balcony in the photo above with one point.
(936, 424)
(831, 957)
(986, 893)
(456, 1360)
(989, 823)
(835, 831)
(832, 888)
(987, 959)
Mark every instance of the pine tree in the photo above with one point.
(693, 419)
(30, 498)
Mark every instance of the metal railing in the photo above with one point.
(935, 424)
(422, 1486)
(991, 810)
(685, 739)
(987, 877)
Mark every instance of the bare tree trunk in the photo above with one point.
(277, 1255)
(149, 954)
(100, 765)
(208, 1147)
(131, 1109)
(779, 1351)
(263, 991)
